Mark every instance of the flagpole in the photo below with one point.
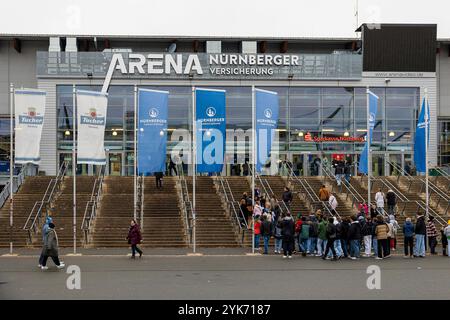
(11, 169)
(194, 168)
(254, 167)
(369, 155)
(135, 155)
(74, 169)
(426, 152)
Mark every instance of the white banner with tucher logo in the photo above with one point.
(29, 118)
(91, 110)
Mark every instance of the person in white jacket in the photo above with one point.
(333, 203)
(379, 198)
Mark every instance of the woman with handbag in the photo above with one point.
(134, 238)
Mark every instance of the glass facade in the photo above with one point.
(312, 120)
(444, 143)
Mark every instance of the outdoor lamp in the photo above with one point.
(114, 133)
(392, 134)
(300, 134)
(346, 134)
(67, 133)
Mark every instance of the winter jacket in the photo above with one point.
(345, 226)
(304, 234)
(278, 230)
(420, 226)
(391, 230)
(339, 231)
(366, 228)
(379, 198)
(314, 229)
(324, 194)
(266, 228)
(381, 231)
(257, 227)
(323, 230)
(333, 202)
(331, 231)
(45, 227)
(431, 229)
(287, 196)
(134, 235)
(50, 247)
(288, 228)
(354, 232)
(408, 229)
(390, 198)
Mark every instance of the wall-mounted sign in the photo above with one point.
(310, 138)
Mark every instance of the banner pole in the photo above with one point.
(369, 155)
(426, 152)
(254, 167)
(11, 169)
(194, 168)
(135, 155)
(74, 169)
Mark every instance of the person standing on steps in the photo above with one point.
(172, 167)
(331, 237)
(324, 194)
(391, 201)
(158, 178)
(287, 197)
(45, 227)
(134, 238)
(379, 198)
(408, 240)
(333, 204)
(288, 233)
(421, 231)
(432, 235)
(266, 231)
(50, 248)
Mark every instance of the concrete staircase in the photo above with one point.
(32, 190)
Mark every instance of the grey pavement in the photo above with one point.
(226, 276)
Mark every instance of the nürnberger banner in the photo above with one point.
(91, 114)
(29, 118)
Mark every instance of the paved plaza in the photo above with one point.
(221, 274)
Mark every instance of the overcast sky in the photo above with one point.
(212, 18)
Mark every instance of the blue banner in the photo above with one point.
(152, 126)
(267, 109)
(419, 141)
(373, 106)
(210, 129)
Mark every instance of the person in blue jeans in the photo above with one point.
(354, 236)
(420, 230)
(344, 226)
(278, 236)
(313, 234)
(304, 236)
(266, 231)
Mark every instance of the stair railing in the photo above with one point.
(442, 174)
(92, 206)
(32, 224)
(186, 204)
(237, 214)
(4, 195)
(389, 186)
(312, 198)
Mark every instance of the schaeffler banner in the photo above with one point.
(29, 113)
(267, 108)
(211, 129)
(152, 137)
(91, 111)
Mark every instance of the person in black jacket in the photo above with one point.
(354, 237)
(266, 231)
(331, 237)
(158, 178)
(420, 230)
(345, 225)
(391, 201)
(288, 233)
(287, 197)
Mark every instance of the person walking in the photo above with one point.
(313, 234)
(391, 200)
(45, 227)
(172, 167)
(322, 241)
(345, 226)
(354, 237)
(278, 236)
(446, 234)
(331, 237)
(50, 248)
(266, 231)
(134, 238)
(287, 197)
(324, 194)
(408, 238)
(288, 232)
(158, 179)
(381, 232)
(348, 172)
(420, 230)
(332, 201)
(379, 199)
(432, 235)
(366, 231)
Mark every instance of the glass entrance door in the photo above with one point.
(114, 164)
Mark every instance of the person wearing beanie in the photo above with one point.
(50, 248)
(48, 220)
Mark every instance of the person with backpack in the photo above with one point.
(408, 240)
(354, 237)
(331, 237)
(278, 236)
(366, 232)
(50, 248)
(134, 238)
(381, 232)
(313, 234)
(266, 231)
(288, 233)
(304, 237)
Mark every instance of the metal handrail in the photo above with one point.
(442, 174)
(36, 212)
(236, 202)
(389, 186)
(91, 209)
(4, 195)
(186, 203)
(313, 198)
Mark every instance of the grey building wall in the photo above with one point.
(443, 68)
(18, 68)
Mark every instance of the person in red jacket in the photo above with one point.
(257, 232)
(134, 238)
